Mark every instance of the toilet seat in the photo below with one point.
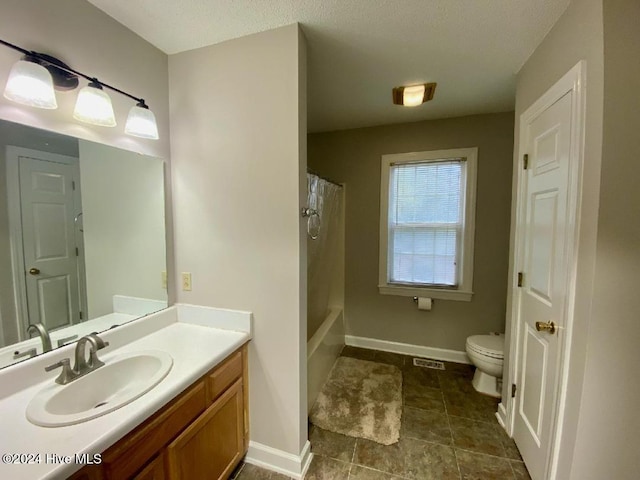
(491, 346)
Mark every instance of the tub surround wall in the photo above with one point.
(238, 162)
(323, 349)
(353, 157)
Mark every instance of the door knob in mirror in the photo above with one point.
(546, 327)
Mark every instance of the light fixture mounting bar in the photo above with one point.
(66, 68)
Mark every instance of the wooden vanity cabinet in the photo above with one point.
(202, 433)
(217, 436)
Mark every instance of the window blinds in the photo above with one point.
(425, 222)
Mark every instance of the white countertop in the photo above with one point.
(195, 349)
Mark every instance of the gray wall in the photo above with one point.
(353, 157)
(578, 35)
(606, 444)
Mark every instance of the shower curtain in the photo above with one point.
(322, 255)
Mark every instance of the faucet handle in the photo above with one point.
(66, 375)
(100, 343)
(32, 352)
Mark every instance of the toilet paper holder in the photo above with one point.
(423, 303)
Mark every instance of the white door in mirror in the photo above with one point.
(122, 380)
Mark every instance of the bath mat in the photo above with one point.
(361, 399)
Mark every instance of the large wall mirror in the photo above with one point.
(82, 239)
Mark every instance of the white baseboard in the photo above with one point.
(294, 466)
(408, 349)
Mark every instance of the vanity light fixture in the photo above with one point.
(141, 122)
(413, 95)
(94, 106)
(35, 77)
(30, 84)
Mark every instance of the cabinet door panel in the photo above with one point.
(213, 444)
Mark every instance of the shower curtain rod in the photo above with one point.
(323, 178)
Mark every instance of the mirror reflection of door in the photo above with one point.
(50, 225)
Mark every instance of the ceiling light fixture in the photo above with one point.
(413, 95)
(34, 78)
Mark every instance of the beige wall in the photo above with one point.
(238, 167)
(353, 157)
(123, 223)
(92, 42)
(606, 445)
(578, 35)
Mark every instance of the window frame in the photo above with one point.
(463, 291)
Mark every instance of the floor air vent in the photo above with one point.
(423, 362)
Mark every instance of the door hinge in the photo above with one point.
(525, 160)
(73, 185)
(80, 315)
(77, 252)
(513, 390)
(520, 278)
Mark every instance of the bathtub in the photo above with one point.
(323, 348)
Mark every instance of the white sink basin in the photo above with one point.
(120, 381)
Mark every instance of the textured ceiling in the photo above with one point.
(358, 50)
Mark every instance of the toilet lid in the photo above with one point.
(489, 345)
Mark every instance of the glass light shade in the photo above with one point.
(31, 84)
(141, 122)
(94, 106)
(413, 96)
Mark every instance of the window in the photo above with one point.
(427, 211)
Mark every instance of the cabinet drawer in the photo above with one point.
(224, 376)
(128, 456)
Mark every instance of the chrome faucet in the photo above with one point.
(82, 366)
(44, 335)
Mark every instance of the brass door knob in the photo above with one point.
(34, 271)
(546, 327)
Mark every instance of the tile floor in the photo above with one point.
(449, 431)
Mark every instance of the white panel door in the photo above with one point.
(543, 295)
(48, 211)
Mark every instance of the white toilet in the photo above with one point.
(487, 354)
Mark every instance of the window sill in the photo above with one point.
(437, 293)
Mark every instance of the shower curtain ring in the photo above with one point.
(309, 213)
